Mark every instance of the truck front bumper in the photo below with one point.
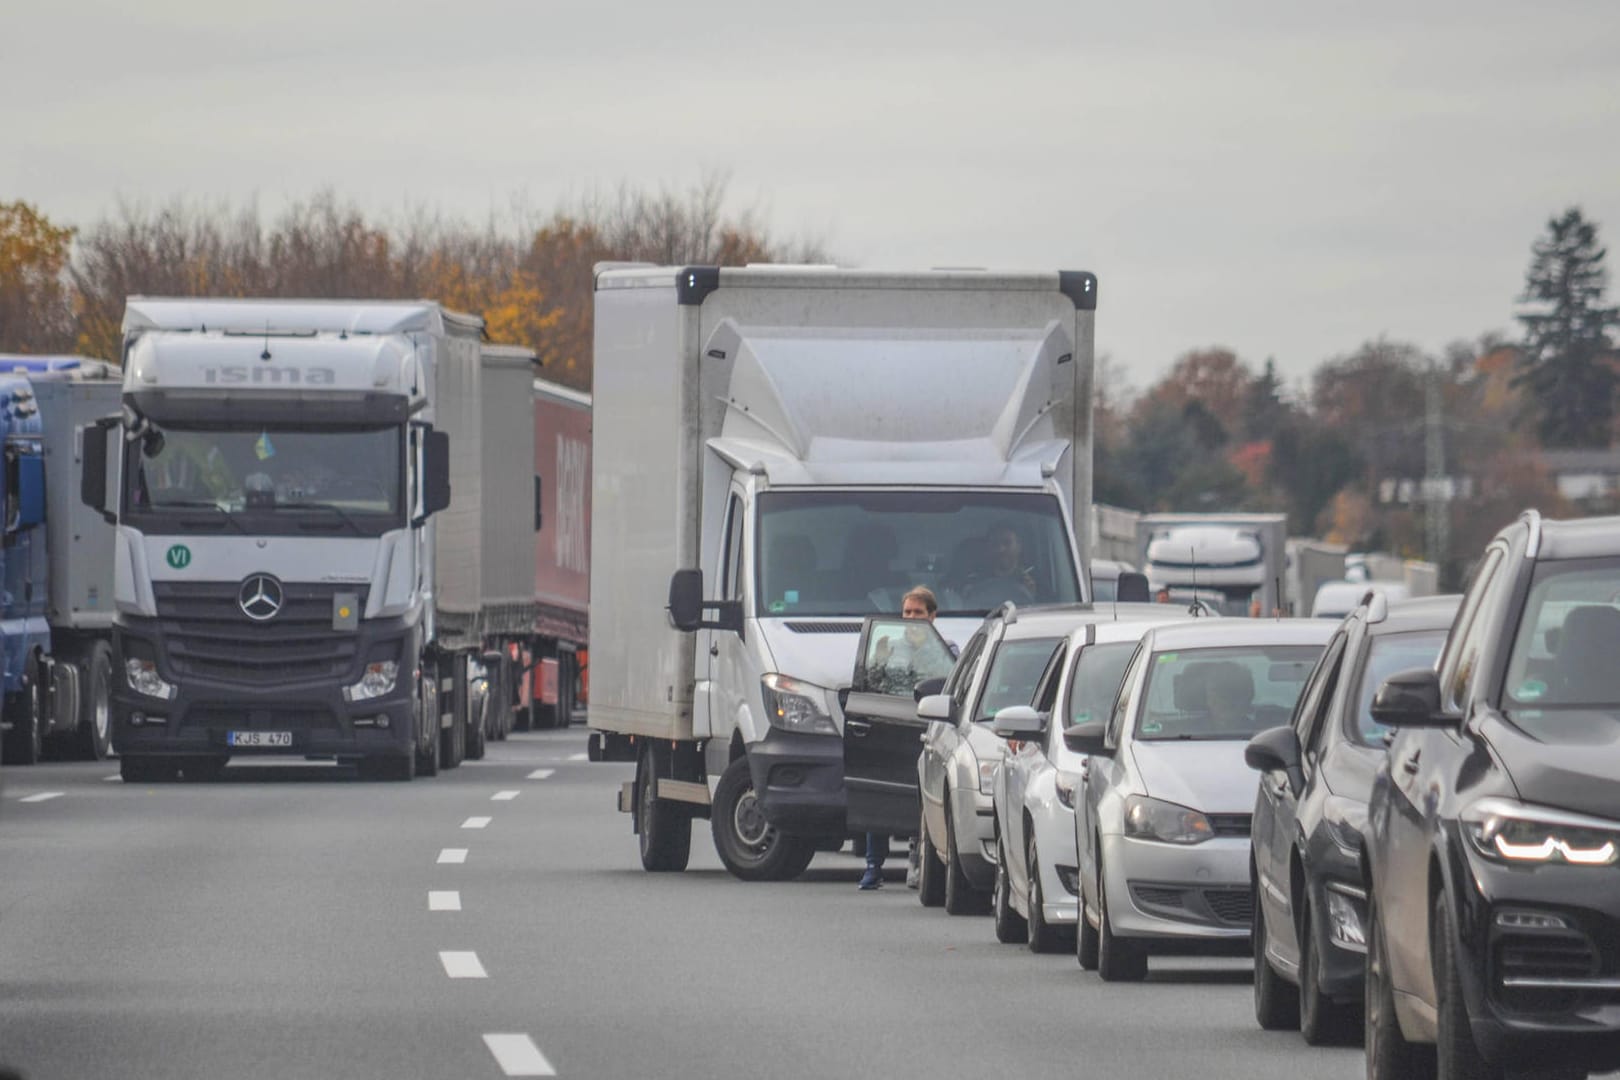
(799, 781)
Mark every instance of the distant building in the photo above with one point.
(1584, 476)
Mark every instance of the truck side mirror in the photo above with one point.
(93, 478)
(435, 473)
(686, 606)
(1133, 588)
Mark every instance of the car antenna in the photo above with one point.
(1276, 583)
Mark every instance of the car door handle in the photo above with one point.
(857, 728)
(1410, 765)
(714, 649)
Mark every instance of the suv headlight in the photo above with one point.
(797, 706)
(144, 679)
(1155, 819)
(379, 679)
(1509, 831)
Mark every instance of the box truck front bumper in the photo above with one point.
(799, 781)
(262, 711)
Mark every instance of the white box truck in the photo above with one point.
(779, 452)
(300, 565)
(1243, 557)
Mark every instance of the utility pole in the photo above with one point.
(1437, 498)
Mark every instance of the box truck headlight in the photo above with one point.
(378, 680)
(795, 706)
(144, 679)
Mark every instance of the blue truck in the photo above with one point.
(56, 561)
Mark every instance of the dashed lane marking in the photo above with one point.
(453, 855)
(541, 774)
(115, 778)
(579, 757)
(444, 901)
(504, 796)
(44, 796)
(463, 965)
(476, 822)
(518, 1056)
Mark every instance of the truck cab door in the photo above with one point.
(724, 655)
(882, 732)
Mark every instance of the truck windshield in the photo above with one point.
(856, 553)
(282, 478)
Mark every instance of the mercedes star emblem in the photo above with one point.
(260, 597)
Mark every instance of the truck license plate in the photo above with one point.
(259, 738)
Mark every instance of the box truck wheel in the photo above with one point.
(94, 734)
(25, 741)
(478, 719)
(751, 848)
(663, 827)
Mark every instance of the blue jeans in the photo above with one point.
(877, 848)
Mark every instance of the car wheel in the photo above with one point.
(1043, 936)
(1086, 941)
(1322, 1021)
(749, 845)
(1011, 929)
(1276, 1001)
(961, 898)
(930, 871)
(1389, 1055)
(1457, 1055)
(1118, 960)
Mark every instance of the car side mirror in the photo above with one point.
(1019, 722)
(1277, 750)
(1133, 588)
(927, 688)
(1087, 738)
(686, 606)
(1411, 699)
(935, 707)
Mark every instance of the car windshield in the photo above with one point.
(899, 654)
(1098, 671)
(1223, 693)
(857, 553)
(347, 474)
(1014, 671)
(1563, 679)
(1390, 654)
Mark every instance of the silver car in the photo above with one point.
(1037, 871)
(1162, 830)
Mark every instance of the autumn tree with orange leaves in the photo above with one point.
(36, 297)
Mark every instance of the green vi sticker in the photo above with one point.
(179, 556)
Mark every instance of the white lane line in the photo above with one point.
(504, 796)
(579, 757)
(462, 965)
(44, 796)
(115, 778)
(518, 1056)
(444, 901)
(541, 774)
(453, 855)
(476, 822)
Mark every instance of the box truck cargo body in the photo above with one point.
(779, 452)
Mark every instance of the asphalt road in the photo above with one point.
(280, 924)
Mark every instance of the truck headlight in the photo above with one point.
(379, 679)
(795, 706)
(1509, 831)
(144, 679)
(1155, 819)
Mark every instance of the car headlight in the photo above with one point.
(797, 706)
(1516, 832)
(1155, 819)
(987, 777)
(144, 679)
(1345, 819)
(1068, 787)
(379, 679)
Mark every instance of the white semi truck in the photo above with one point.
(1242, 556)
(779, 452)
(301, 564)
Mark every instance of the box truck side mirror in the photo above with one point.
(93, 479)
(686, 606)
(435, 473)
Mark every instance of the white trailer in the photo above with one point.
(781, 451)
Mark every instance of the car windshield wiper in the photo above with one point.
(328, 508)
(202, 504)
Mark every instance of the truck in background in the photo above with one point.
(56, 562)
(293, 575)
(781, 451)
(1311, 564)
(1244, 556)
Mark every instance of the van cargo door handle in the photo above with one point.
(857, 728)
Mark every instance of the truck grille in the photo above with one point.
(208, 636)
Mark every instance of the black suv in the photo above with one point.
(1493, 836)
(1309, 924)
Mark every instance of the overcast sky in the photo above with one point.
(1287, 179)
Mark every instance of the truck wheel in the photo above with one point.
(477, 735)
(25, 742)
(930, 871)
(94, 735)
(752, 848)
(395, 767)
(663, 828)
(453, 740)
(427, 713)
(148, 770)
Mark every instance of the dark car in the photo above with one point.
(1493, 830)
(1309, 926)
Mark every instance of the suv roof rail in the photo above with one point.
(1377, 604)
(1533, 519)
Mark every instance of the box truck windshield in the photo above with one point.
(274, 474)
(856, 553)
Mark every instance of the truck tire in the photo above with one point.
(25, 742)
(148, 770)
(427, 716)
(749, 846)
(477, 733)
(94, 735)
(453, 740)
(663, 828)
